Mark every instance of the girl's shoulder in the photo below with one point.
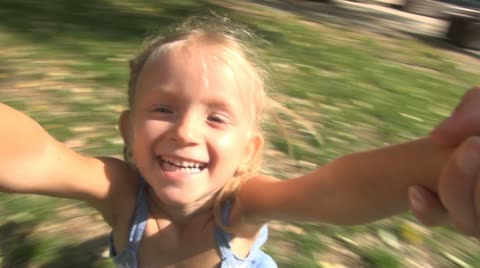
(123, 184)
(257, 201)
(247, 212)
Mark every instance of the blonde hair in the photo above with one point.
(238, 42)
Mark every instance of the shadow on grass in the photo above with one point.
(58, 21)
(88, 32)
(15, 249)
(85, 254)
(19, 250)
(47, 21)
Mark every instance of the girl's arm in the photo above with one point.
(353, 189)
(31, 161)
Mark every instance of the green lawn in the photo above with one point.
(340, 89)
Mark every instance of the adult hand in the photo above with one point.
(464, 121)
(458, 199)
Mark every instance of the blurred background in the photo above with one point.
(347, 76)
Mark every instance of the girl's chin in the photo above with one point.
(184, 198)
(177, 198)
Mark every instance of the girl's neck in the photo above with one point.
(176, 213)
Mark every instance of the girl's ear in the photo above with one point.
(253, 151)
(124, 126)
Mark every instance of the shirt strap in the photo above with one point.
(140, 218)
(223, 238)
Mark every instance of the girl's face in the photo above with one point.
(192, 125)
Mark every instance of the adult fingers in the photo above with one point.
(464, 121)
(459, 187)
(426, 206)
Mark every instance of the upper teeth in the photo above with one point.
(182, 163)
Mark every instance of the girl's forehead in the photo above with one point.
(198, 67)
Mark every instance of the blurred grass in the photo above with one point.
(65, 64)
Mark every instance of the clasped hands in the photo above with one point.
(457, 200)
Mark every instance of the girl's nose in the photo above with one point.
(187, 129)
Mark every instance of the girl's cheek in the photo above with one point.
(152, 128)
(230, 143)
(227, 140)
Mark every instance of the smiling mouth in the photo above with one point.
(168, 163)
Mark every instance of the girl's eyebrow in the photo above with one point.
(227, 105)
(223, 103)
(165, 90)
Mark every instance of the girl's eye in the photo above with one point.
(217, 119)
(162, 109)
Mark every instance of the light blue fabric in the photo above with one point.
(128, 258)
(256, 257)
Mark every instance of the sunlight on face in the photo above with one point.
(193, 122)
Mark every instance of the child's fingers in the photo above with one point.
(426, 206)
(459, 189)
(464, 122)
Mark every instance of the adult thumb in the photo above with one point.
(426, 206)
(464, 121)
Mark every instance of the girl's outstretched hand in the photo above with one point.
(458, 199)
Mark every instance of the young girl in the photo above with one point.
(190, 194)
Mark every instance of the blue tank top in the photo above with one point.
(128, 258)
